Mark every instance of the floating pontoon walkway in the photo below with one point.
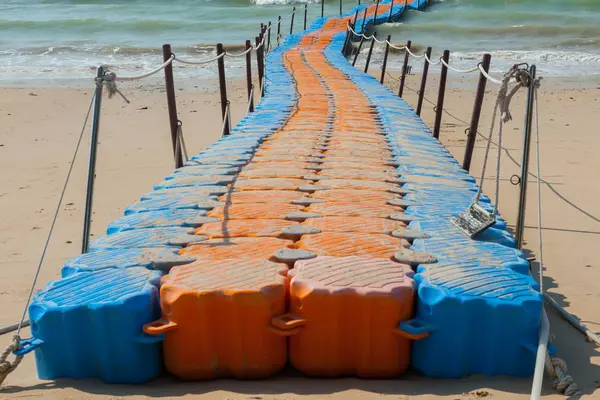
(317, 234)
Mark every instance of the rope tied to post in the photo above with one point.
(501, 106)
(6, 367)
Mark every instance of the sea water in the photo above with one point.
(48, 42)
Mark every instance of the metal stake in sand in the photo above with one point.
(404, 68)
(259, 63)
(249, 84)
(362, 40)
(370, 53)
(278, 29)
(423, 81)
(520, 226)
(305, 15)
(172, 105)
(485, 64)
(439, 108)
(292, 21)
(89, 197)
(269, 37)
(223, 89)
(385, 57)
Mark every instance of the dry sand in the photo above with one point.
(39, 129)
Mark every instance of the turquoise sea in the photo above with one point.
(59, 41)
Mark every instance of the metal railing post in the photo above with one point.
(391, 11)
(259, 63)
(340, 7)
(292, 21)
(223, 88)
(305, 15)
(370, 53)
(172, 105)
(278, 29)
(385, 57)
(249, 84)
(404, 68)
(362, 40)
(439, 108)
(91, 177)
(269, 36)
(423, 81)
(485, 64)
(520, 226)
(322, 8)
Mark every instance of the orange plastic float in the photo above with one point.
(244, 228)
(261, 196)
(250, 211)
(217, 319)
(338, 244)
(250, 248)
(355, 224)
(346, 313)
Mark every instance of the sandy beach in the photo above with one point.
(38, 134)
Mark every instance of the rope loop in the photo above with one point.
(6, 367)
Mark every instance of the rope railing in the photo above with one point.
(406, 48)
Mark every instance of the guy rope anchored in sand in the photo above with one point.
(328, 155)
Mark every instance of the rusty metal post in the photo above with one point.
(259, 64)
(485, 64)
(370, 53)
(222, 87)
(249, 75)
(91, 176)
(171, 104)
(385, 57)
(305, 15)
(362, 27)
(404, 68)
(529, 111)
(292, 21)
(439, 108)
(362, 40)
(278, 29)
(269, 37)
(423, 81)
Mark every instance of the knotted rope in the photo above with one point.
(6, 367)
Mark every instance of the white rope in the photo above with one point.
(414, 55)
(248, 50)
(460, 71)
(490, 78)
(202, 62)
(377, 40)
(396, 47)
(432, 63)
(147, 74)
